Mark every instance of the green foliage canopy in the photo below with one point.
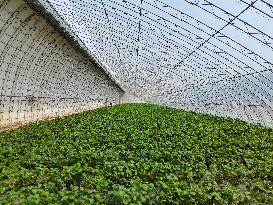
(137, 154)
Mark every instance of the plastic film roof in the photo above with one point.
(212, 56)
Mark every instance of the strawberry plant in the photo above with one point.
(137, 154)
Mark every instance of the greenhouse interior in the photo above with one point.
(136, 102)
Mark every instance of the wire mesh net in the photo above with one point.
(208, 56)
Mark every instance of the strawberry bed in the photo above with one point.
(137, 154)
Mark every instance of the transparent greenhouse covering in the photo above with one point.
(213, 56)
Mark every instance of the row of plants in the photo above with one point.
(137, 154)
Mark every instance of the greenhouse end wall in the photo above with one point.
(42, 74)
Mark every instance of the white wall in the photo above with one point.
(41, 73)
